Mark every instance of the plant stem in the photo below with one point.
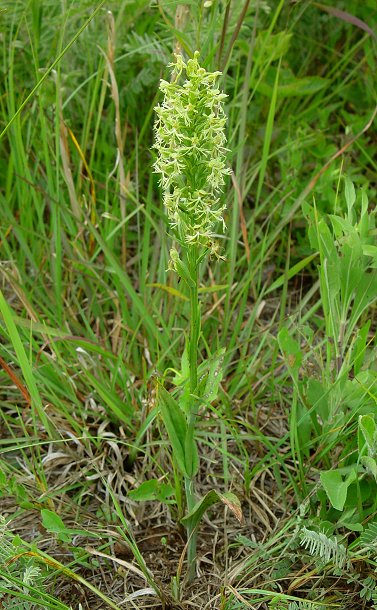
(192, 255)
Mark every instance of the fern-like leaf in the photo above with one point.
(321, 546)
(369, 535)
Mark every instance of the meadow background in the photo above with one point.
(91, 320)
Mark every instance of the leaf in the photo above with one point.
(360, 346)
(193, 518)
(336, 488)
(145, 492)
(369, 535)
(175, 424)
(368, 428)
(51, 521)
(370, 251)
(350, 195)
(152, 490)
(181, 268)
(317, 396)
(191, 454)
(341, 226)
(290, 348)
(214, 377)
(365, 295)
(54, 524)
(289, 85)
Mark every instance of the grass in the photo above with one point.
(91, 322)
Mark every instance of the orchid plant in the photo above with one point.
(191, 161)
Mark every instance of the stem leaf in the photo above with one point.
(175, 425)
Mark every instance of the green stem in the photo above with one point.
(192, 256)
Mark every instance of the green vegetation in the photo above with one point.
(150, 391)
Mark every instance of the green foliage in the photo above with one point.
(335, 410)
(152, 490)
(22, 579)
(89, 316)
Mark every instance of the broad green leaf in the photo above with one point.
(368, 427)
(353, 526)
(214, 376)
(176, 427)
(290, 348)
(336, 487)
(327, 246)
(54, 524)
(145, 492)
(152, 490)
(193, 518)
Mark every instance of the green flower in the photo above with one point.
(191, 145)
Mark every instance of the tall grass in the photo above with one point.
(91, 322)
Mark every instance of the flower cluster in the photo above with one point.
(190, 140)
